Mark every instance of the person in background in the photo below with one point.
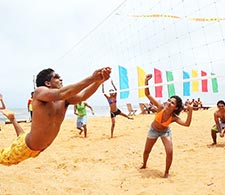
(167, 113)
(81, 112)
(50, 102)
(187, 102)
(114, 111)
(199, 103)
(150, 108)
(219, 118)
(29, 105)
(194, 104)
(2, 104)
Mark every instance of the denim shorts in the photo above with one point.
(152, 133)
(81, 121)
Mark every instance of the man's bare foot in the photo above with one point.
(80, 132)
(131, 118)
(143, 167)
(9, 114)
(166, 175)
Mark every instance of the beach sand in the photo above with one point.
(98, 165)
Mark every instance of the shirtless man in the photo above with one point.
(219, 118)
(50, 102)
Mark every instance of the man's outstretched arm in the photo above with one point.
(69, 91)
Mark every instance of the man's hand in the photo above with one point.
(102, 74)
(106, 73)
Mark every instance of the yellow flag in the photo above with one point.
(195, 83)
(141, 82)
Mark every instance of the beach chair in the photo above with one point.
(130, 110)
(205, 107)
(150, 108)
(143, 108)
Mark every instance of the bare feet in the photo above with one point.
(143, 167)
(80, 132)
(211, 145)
(131, 118)
(9, 114)
(166, 175)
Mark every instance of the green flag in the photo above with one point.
(214, 84)
(170, 87)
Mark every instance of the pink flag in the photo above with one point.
(204, 82)
(158, 80)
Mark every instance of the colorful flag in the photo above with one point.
(124, 83)
(195, 83)
(141, 82)
(204, 82)
(170, 87)
(214, 84)
(186, 85)
(158, 80)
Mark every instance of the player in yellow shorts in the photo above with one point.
(18, 152)
(50, 103)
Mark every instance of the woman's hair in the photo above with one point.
(44, 75)
(179, 104)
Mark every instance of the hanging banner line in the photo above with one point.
(187, 80)
(172, 82)
(214, 19)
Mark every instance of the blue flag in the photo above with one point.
(186, 85)
(124, 83)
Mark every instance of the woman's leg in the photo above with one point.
(124, 115)
(112, 126)
(148, 148)
(167, 142)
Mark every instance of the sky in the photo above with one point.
(36, 34)
(76, 37)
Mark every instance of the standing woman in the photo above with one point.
(111, 98)
(166, 114)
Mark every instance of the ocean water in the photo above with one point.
(23, 114)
